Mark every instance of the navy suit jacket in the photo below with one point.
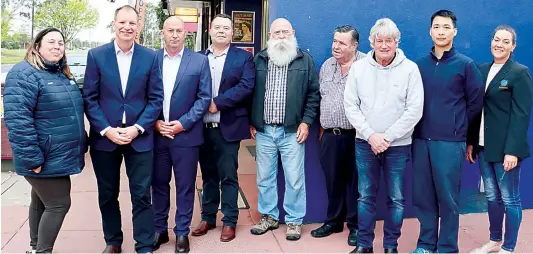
(236, 86)
(105, 102)
(190, 99)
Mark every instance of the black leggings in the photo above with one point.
(50, 202)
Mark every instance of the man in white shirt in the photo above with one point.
(187, 94)
(123, 96)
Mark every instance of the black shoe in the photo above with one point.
(182, 244)
(362, 250)
(325, 230)
(160, 238)
(352, 238)
(391, 250)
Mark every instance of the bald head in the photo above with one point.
(174, 34)
(281, 29)
(174, 21)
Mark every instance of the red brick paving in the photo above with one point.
(81, 231)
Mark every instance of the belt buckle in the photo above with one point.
(211, 125)
(337, 131)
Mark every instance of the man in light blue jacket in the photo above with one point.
(383, 100)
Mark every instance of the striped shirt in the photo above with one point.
(332, 83)
(275, 94)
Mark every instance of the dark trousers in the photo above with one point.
(139, 171)
(184, 161)
(437, 167)
(219, 164)
(337, 158)
(50, 202)
(391, 164)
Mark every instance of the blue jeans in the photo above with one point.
(268, 143)
(370, 166)
(503, 197)
(437, 167)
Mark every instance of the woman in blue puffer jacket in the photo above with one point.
(44, 118)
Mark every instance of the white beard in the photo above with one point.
(282, 52)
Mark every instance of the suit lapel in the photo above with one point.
(134, 66)
(500, 75)
(113, 66)
(186, 58)
(230, 58)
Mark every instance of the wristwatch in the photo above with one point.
(139, 130)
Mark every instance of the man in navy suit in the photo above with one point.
(225, 125)
(187, 92)
(123, 97)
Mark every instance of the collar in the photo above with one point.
(447, 54)
(117, 48)
(180, 54)
(211, 50)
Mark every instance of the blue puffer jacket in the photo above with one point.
(44, 118)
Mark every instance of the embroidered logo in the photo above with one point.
(503, 84)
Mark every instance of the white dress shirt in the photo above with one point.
(216, 66)
(171, 66)
(494, 69)
(124, 64)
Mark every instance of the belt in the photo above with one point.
(275, 124)
(211, 125)
(339, 131)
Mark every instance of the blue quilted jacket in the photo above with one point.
(43, 113)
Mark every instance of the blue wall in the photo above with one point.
(315, 20)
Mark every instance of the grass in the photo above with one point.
(13, 56)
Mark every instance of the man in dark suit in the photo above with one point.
(187, 93)
(226, 124)
(123, 96)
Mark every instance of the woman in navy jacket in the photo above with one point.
(44, 118)
(498, 137)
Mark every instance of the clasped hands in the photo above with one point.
(379, 143)
(169, 129)
(122, 136)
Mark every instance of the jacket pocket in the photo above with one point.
(241, 112)
(45, 145)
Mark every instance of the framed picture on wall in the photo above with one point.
(243, 26)
(249, 49)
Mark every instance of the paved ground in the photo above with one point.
(81, 232)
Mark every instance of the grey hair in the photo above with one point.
(348, 29)
(384, 27)
(508, 29)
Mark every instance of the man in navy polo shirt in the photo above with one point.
(453, 95)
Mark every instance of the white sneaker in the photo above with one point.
(504, 251)
(489, 247)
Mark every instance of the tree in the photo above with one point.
(5, 24)
(69, 16)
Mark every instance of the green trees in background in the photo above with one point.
(69, 16)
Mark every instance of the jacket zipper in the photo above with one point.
(77, 116)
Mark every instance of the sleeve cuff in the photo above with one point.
(367, 133)
(105, 130)
(140, 128)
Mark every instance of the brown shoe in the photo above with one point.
(112, 249)
(228, 234)
(202, 228)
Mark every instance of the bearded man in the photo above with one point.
(285, 103)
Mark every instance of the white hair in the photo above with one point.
(384, 27)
